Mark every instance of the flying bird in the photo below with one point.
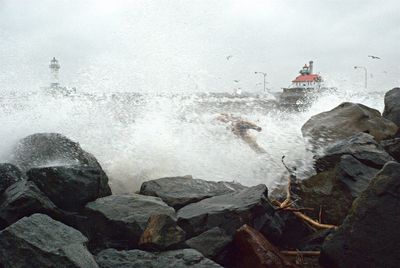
(374, 57)
(229, 57)
(237, 81)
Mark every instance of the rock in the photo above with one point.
(392, 109)
(24, 199)
(344, 121)
(178, 192)
(369, 236)
(355, 175)
(39, 241)
(210, 243)
(161, 233)
(9, 174)
(361, 146)
(253, 250)
(50, 149)
(230, 211)
(392, 147)
(71, 187)
(118, 221)
(111, 258)
(314, 241)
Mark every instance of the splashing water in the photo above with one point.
(141, 137)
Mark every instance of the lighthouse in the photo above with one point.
(54, 70)
(307, 79)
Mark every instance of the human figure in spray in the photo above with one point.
(240, 128)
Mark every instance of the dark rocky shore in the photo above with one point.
(57, 209)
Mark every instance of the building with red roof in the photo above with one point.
(307, 79)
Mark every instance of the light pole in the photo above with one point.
(366, 73)
(264, 74)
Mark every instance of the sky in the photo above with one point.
(183, 46)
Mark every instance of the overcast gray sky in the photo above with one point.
(180, 45)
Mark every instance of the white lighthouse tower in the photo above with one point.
(54, 68)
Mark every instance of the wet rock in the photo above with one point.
(361, 146)
(71, 187)
(210, 243)
(344, 121)
(118, 221)
(392, 147)
(392, 109)
(253, 250)
(9, 174)
(161, 233)
(39, 241)
(111, 258)
(24, 199)
(181, 191)
(314, 241)
(369, 236)
(50, 149)
(230, 211)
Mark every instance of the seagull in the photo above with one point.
(374, 57)
(229, 57)
(236, 81)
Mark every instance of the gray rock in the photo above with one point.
(178, 192)
(71, 187)
(9, 174)
(230, 211)
(118, 221)
(370, 235)
(392, 109)
(392, 147)
(344, 121)
(161, 233)
(211, 242)
(111, 258)
(24, 199)
(50, 149)
(361, 146)
(354, 174)
(39, 241)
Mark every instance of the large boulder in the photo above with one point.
(9, 174)
(161, 233)
(24, 199)
(118, 221)
(178, 192)
(50, 149)
(369, 236)
(392, 109)
(70, 187)
(344, 121)
(392, 146)
(39, 241)
(230, 211)
(184, 258)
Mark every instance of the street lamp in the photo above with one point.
(264, 74)
(366, 73)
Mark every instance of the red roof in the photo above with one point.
(307, 78)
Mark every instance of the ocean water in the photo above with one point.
(138, 137)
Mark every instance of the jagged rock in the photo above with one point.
(118, 221)
(210, 243)
(392, 109)
(39, 241)
(50, 149)
(392, 147)
(314, 241)
(361, 146)
(70, 187)
(369, 236)
(24, 199)
(355, 175)
(9, 174)
(344, 121)
(230, 211)
(181, 191)
(253, 250)
(111, 258)
(161, 233)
